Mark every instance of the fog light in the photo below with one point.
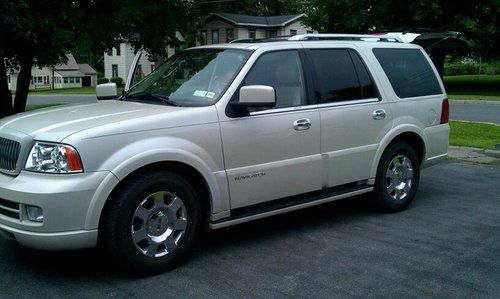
(34, 213)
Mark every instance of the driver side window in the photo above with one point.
(283, 71)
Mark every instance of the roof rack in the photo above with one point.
(336, 36)
(323, 36)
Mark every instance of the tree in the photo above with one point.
(41, 32)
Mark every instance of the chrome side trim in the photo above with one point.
(316, 106)
(288, 209)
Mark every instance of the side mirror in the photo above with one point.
(106, 91)
(256, 96)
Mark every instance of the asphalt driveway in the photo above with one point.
(447, 244)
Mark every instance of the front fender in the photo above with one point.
(132, 156)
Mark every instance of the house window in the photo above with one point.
(215, 36)
(77, 80)
(251, 33)
(110, 52)
(273, 33)
(118, 51)
(293, 32)
(39, 79)
(66, 80)
(114, 70)
(72, 80)
(229, 35)
(203, 37)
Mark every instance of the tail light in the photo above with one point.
(445, 112)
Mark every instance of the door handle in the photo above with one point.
(378, 114)
(302, 124)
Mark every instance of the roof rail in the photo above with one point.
(337, 36)
(322, 36)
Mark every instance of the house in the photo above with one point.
(118, 60)
(64, 75)
(226, 27)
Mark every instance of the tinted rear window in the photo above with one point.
(340, 75)
(409, 72)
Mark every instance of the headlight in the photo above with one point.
(53, 158)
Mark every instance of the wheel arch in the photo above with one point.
(187, 171)
(409, 134)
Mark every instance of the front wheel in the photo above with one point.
(152, 223)
(398, 176)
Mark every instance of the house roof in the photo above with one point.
(70, 73)
(258, 21)
(69, 65)
(86, 69)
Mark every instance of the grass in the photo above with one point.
(472, 87)
(474, 134)
(35, 107)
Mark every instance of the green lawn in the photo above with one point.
(35, 107)
(472, 87)
(474, 134)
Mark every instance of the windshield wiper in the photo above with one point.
(156, 96)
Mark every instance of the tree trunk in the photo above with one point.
(23, 84)
(5, 94)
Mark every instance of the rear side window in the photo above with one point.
(409, 72)
(340, 75)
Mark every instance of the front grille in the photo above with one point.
(9, 209)
(9, 153)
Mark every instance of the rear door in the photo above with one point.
(354, 117)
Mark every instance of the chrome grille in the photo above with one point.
(9, 153)
(9, 209)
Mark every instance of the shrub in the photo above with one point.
(117, 80)
(471, 68)
(102, 80)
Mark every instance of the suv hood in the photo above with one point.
(55, 124)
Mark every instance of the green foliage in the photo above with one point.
(102, 80)
(471, 68)
(117, 80)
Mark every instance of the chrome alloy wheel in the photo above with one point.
(399, 177)
(158, 224)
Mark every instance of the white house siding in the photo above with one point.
(124, 62)
(297, 25)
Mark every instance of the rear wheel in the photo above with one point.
(398, 176)
(152, 223)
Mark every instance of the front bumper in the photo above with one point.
(67, 201)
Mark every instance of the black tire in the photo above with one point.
(383, 200)
(116, 236)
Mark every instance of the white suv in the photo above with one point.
(220, 135)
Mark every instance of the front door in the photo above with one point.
(274, 153)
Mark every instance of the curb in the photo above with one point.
(487, 152)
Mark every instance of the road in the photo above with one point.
(482, 112)
(63, 99)
(446, 244)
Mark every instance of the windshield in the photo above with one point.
(193, 77)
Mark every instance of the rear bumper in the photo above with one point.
(437, 144)
(51, 241)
